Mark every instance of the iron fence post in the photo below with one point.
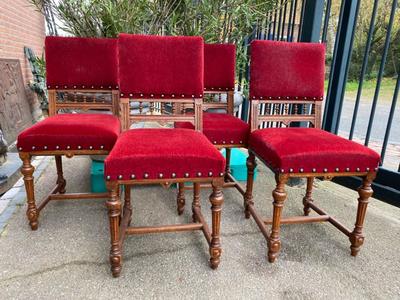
(339, 69)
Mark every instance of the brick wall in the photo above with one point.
(20, 25)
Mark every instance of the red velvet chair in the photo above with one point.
(224, 130)
(81, 74)
(291, 75)
(162, 69)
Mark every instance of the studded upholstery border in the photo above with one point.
(154, 153)
(71, 132)
(311, 150)
(283, 70)
(160, 65)
(219, 67)
(81, 63)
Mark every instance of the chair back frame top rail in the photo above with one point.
(287, 117)
(85, 103)
(127, 119)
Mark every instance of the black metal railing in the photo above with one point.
(387, 184)
(312, 21)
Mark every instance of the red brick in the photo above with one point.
(21, 25)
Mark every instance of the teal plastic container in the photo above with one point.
(238, 164)
(97, 183)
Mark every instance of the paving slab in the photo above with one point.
(67, 257)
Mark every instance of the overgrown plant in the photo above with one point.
(218, 21)
(38, 69)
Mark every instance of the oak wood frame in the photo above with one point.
(58, 192)
(355, 236)
(120, 219)
(230, 181)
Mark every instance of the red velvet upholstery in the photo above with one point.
(71, 131)
(160, 66)
(147, 153)
(283, 70)
(84, 63)
(221, 128)
(219, 67)
(310, 150)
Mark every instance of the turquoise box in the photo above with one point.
(238, 164)
(97, 183)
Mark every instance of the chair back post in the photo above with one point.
(198, 114)
(115, 103)
(52, 102)
(318, 114)
(124, 113)
(230, 103)
(254, 108)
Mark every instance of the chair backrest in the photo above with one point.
(79, 71)
(159, 69)
(289, 79)
(219, 76)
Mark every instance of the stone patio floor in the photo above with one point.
(67, 257)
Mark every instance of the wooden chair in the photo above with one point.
(290, 76)
(223, 129)
(162, 69)
(81, 74)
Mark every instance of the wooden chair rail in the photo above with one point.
(197, 118)
(285, 112)
(279, 195)
(68, 153)
(120, 217)
(86, 101)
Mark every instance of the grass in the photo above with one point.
(368, 91)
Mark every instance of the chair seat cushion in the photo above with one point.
(71, 131)
(154, 153)
(310, 150)
(221, 128)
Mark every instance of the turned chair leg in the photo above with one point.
(216, 199)
(27, 171)
(114, 213)
(248, 196)
(279, 195)
(365, 192)
(180, 201)
(127, 203)
(61, 182)
(228, 163)
(196, 200)
(308, 198)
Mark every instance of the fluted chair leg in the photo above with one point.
(196, 200)
(127, 203)
(27, 171)
(279, 195)
(114, 213)
(228, 163)
(216, 199)
(61, 182)
(308, 198)
(248, 196)
(181, 198)
(365, 192)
